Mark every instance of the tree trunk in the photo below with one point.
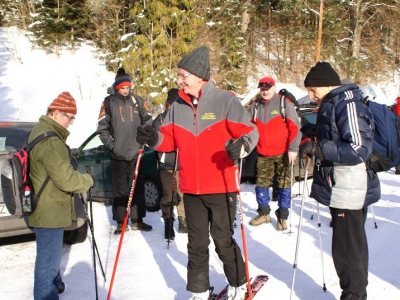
(245, 17)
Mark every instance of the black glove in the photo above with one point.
(236, 148)
(311, 148)
(147, 135)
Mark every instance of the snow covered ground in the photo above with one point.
(30, 80)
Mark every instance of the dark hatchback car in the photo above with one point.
(14, 136)
(94, 157)
(309, 117)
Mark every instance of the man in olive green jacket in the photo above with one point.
(55, 210)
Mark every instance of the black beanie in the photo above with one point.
(322, 74)
(197, 63)
(122, 79)
(172, 95)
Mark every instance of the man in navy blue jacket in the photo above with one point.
(342, 179)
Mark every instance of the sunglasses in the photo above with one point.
(70, 118)
(267, 84)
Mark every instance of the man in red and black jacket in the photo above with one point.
(277, 149)
(212, 130)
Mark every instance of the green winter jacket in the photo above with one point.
(50, 157)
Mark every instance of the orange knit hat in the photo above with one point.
(65, 103)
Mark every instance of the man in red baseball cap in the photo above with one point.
(277, 149)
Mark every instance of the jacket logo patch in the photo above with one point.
(209, 116)
(274, 112)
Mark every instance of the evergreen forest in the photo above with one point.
(360, 38)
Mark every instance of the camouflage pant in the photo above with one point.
(267, 167)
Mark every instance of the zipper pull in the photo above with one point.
(121, 115)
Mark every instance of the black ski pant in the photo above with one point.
(122, 177)
(350, 251)
(171, 197)
(212, 214)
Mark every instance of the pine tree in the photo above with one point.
(161, 33)
(57, 21)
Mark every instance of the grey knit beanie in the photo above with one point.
(322, 74)
(197, 63)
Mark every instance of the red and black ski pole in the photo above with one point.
(246, 259)
(174, 190)
(128, 210)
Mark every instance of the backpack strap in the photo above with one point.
(282, 107)
(29, 148)
(257, 101)
(287, 96)
(42, 187)
(138, 107)
(39, 138)
(107, 105)
(139, 104)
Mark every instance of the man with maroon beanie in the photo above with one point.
(50, 161)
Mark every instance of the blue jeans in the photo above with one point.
(48, 280)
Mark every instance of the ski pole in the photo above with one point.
(93, 240)
(90, 220)
(291, 199)
(312, 214)
(94, 244)
(373, 215)
(93, 248)
(322, 255)
(246, 264)
(299, 194)
(308, 160)
(128, 210)
(173, 194)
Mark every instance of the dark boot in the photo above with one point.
(119, 228)
(281, 221)
(350, 296)
(182, 225)
(169, 232)
(138, 224)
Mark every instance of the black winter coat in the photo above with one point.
(345, 130)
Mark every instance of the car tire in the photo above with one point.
(152, 194)
(76, 236)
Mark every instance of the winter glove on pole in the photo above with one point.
(147, 135)
(237, 148)
(311, 148)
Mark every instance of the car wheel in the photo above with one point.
(152, 194)
(76, 236)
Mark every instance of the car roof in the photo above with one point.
(6, 123)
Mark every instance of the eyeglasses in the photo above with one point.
(70, 118)
(183, 76)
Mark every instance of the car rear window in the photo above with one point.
(13, 138)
